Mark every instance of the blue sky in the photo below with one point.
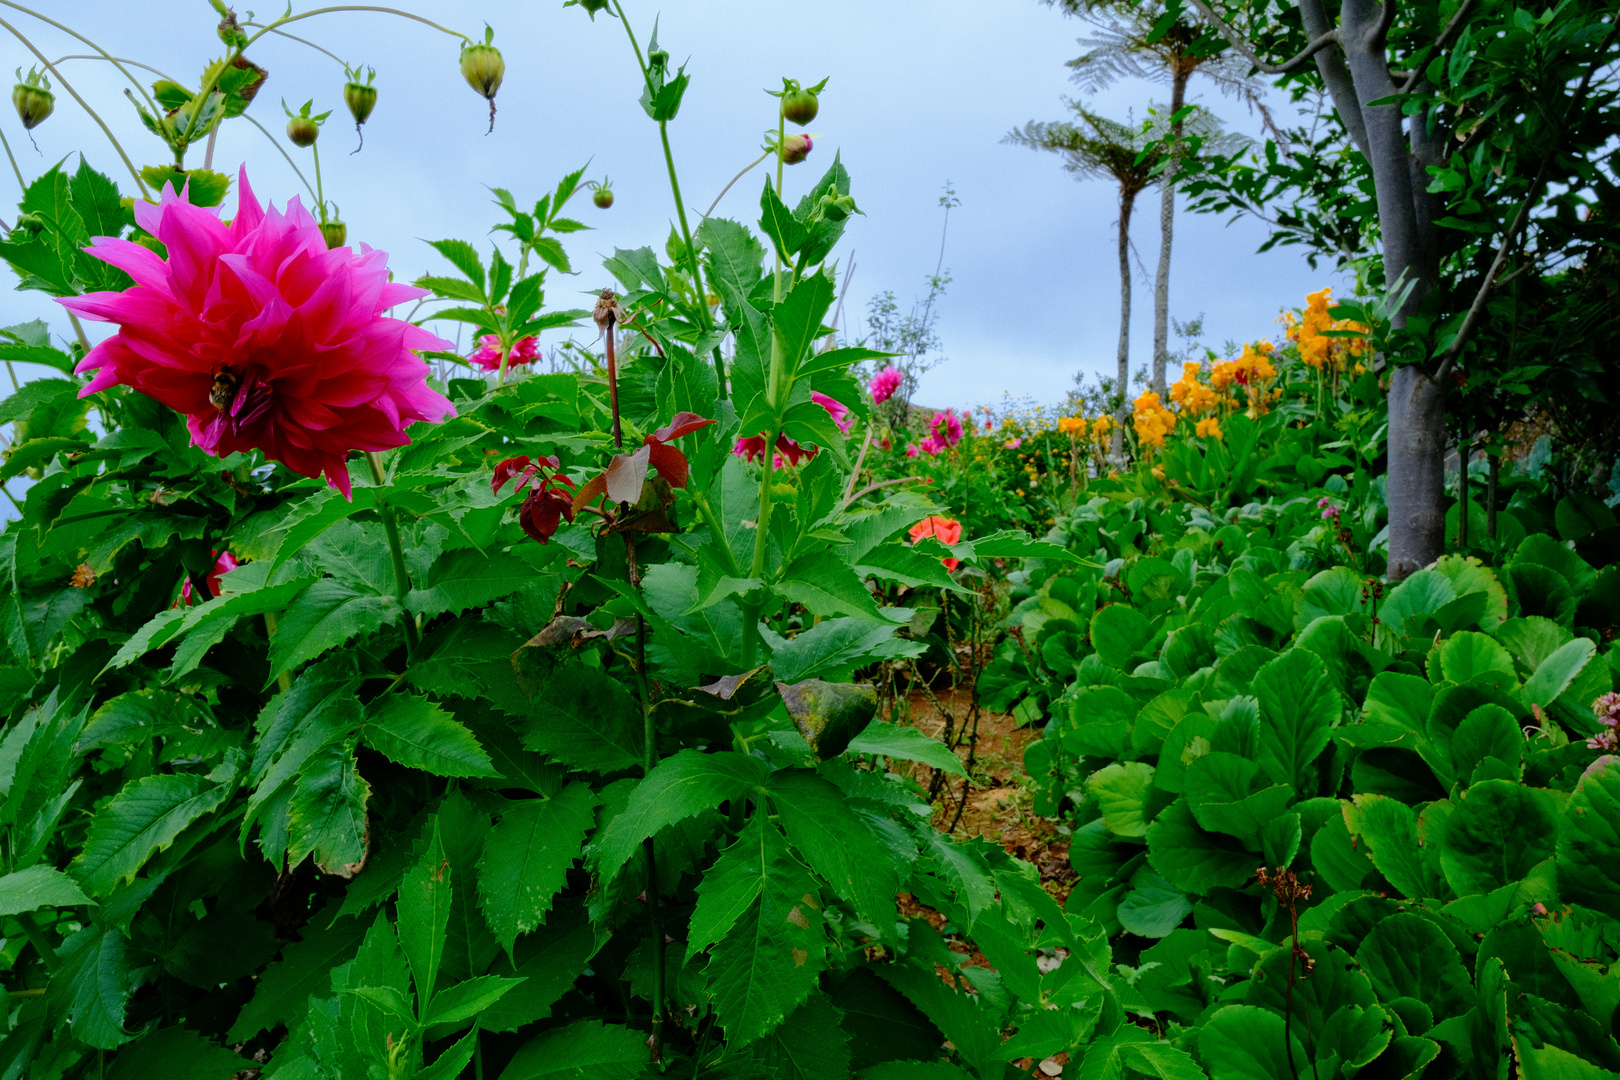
(920, 93)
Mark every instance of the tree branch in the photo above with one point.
(1237, 41)
(1471, 320)
(1457, 20)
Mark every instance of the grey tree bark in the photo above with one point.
(1116, 445)
(1180, 72)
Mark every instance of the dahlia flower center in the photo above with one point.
(243, 396)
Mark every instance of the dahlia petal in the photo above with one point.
(249, 214)
(140, 262)
(393, 295)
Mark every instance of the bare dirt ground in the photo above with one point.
(997, 807)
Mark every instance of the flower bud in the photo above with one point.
(658, 59)
(335, 233)
(800, 106)
(33, 98)
(229, 31)
(483, 68)
(591, 6)
(302, 131)
(360, 97)
(603, 195)
(795, 148)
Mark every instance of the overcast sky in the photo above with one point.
(920, 93)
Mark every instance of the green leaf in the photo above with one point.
(1226, 796)
(1388, 829)
(1497, 833)
(37, 887)
(830, 646)
(176, 1053)
(1424, 593)
(836, 843)
(548, 960)
(585, 718)
(1153, 908)
(465, 1000)
(1589, 837)
(424, 916)
(1121, 635)
(1298, 710)
(906, 744)
(1469, 654)
(93, 985)
(785, 230)
(1554, 674)
(774, 948)
(1193, 860)
(825, 584)
(463, 257)
(1408, 955)
(282, 991)
(465, 578)
(811, 1045)
(327, 615)
(527, 856)
(1121, 791)
(1014, 544)
(1245, 1042)
(681, 786)
(314, 515)
(327, 815)
(144, 817)
(454, 1061)
(412, 731)
(584, 1050)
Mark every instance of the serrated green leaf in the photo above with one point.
(466, 578)
(836, 843)
(327, 615)
(527, 856)
(412, 731)
(93, 986)
(37, 887)
(465, 1000)
(681, 786)
(176, 1053)
(327, 815)
(906, 744)
(587, 719)
(143, 818)
(584, 1050)
(424, 916)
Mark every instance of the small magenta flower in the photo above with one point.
(947, 428)
(488, 355)
(884, 384)
(1607, 739)
(839, 411)
(1329, 511)
(795, 148)
(911, 451)
(1013, 444)
(222, 566)
(262, 336)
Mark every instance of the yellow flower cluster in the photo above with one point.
(1251, 369)
(1101, 427)
(1193, 395)
(1073, 425)
(1209, 428)
(1315, 348)
(1153, 421)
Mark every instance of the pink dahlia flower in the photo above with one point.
(222, 566)
(884, 384)
(839, 411)
(947, 427)
(488, 355)
(911, 451)
(261, 336)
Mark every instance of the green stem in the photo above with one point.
(13, 159)
(78, 331)
(105, 130)
(320, 192)
(680, 209)
(284, 680)
(41, 942)
(283, 153)
(402, 578)
(706, 512)
(105, 55)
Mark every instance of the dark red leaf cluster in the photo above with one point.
(550, 499)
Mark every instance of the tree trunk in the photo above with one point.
(1416, 491)
(1180, 72)
(1116, 445)
(1417, 414)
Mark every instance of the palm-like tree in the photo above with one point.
(1130, 42)
(1095, 147)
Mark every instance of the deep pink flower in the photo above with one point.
(839, 411)
(933, 446)
(947, 427)
(488, 355)
(261, 336)
(754, 447)
(222, 566)
(884, 384)
(911, 451)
